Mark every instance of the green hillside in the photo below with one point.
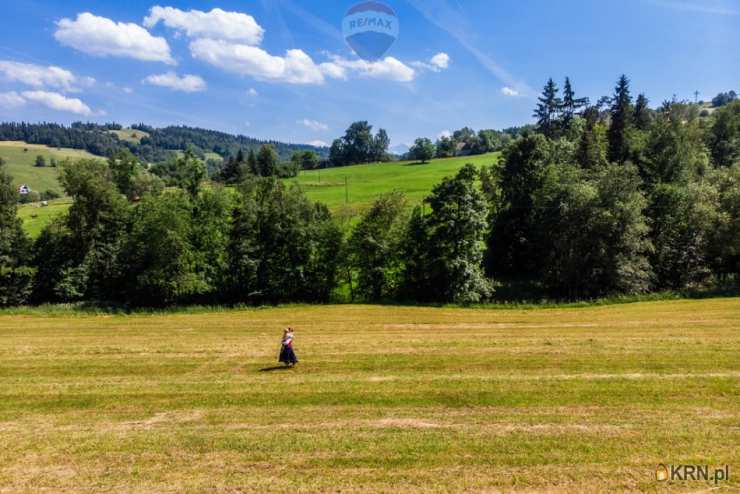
(365, 182)
(35, 217)
(20, 158)
(130, 135)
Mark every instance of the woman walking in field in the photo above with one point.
(287, 355)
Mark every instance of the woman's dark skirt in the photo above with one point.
(287, 355)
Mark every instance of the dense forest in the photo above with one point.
(594, 200)
(159, 146)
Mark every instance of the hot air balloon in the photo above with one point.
(370, 28)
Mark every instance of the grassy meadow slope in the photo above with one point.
(366, 182)
(385, 399)
(35, 217)
(20, 158)
(130, 135)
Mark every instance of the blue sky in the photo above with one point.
(281, 69)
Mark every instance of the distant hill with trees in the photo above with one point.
(153, 145)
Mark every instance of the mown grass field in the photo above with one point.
(366, 182)
(130, 135)
(385, 399)
(20, 158)
(35, 216)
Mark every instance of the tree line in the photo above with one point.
(359, 145)
(464, 142)
(596, 200)
(158, 146)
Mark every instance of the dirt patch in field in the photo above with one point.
(378, 379)
(407, 424)
(556, 429)
(164, 419)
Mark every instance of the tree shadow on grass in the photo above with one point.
(276, 368)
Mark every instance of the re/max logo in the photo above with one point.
(371, 22)
(693, 472)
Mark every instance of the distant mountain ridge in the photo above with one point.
(399, 149)
(159, 145)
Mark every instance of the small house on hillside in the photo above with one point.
(24, 190)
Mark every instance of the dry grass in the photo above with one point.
(385, 399)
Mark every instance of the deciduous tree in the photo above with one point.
(374, 248)
(16, 273)
(423, 150)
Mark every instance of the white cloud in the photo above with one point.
(11, 100)
(296, 67)
(333, 70)
(252, 92)
(58, 102)
(318, 143)
(440, 60)
(313, 125)
(187, 83)
(216, 24)
(444, 133)
(39, 76)
(438, 63)
(507, 91)
(389, 68)
(103, 37)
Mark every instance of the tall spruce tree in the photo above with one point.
(621, 122)
(642, 116)
(571, 105)
(547, 110)
(252, 165)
